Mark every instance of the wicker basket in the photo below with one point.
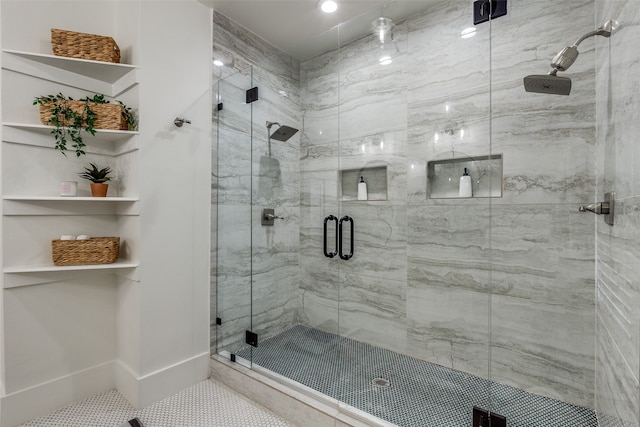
(96, 250)
(109, 116)
(84, 46)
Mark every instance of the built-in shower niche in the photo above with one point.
(443, 176)
(375, 177)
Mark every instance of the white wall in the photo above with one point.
(147, 332)
(175, 59)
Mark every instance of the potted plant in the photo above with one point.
(98, 178)
(69, 117)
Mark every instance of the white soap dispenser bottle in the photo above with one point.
(362, 189)
(465, 185)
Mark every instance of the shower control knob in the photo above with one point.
(269, 216)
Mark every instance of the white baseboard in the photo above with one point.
(42, 399)
(24, 405)
(155, 386)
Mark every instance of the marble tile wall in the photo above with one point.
(257, 275)
(510, 276)
(618, 247)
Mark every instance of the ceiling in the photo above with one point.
(299, 28)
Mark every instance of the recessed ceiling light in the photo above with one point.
(218, 63)
(328, 6)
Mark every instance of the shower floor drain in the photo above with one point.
(380, 382)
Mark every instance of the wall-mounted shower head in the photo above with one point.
(283, 133)
(554, 84)
(548, 83)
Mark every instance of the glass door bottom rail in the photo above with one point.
(401, 389)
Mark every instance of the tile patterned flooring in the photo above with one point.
(206, 404)
(419, 393)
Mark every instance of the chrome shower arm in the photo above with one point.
(604, 31)
(567, 56)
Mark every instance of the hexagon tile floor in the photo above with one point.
(403, 390)
(206, 404)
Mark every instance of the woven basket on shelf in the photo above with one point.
(96, 250)
(84, 46)
(109, 116)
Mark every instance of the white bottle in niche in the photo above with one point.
(362, 189)
(465, 185)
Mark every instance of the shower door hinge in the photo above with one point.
(218, 321)
(252, 95)
(484, 10)
(251, 338)
(220, 106)
(484, 418)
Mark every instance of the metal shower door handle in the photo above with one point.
(350, 254)
(335, 252)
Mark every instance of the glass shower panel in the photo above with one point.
(448, 230)
(275, 178)
(542, 248)
(234, 215)
(295, 300)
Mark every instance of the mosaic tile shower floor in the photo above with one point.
(419, 393)
(206, 404)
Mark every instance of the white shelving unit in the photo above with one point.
(109, 79)
(103, 77)
(107, 142)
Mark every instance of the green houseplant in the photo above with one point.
(98, 178)
(70, 117)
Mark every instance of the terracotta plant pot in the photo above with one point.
(99, 189)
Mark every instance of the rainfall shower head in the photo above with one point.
(553, 84)
(283, 133)
(548, 83)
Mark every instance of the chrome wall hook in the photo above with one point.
(179, 121)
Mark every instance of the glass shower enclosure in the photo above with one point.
(419, 302)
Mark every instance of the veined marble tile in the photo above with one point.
(275, 102)
(373, 310)
(374, 151)
(320, 157)
(374, 104)
(233, 147)
(312, 238)
(543, 254)
(234, 308)
(275, 301)
(448, 281)
(276, 179)
(319, 189)
(616, 392)
(318, 299)
(380, 240)
(448, 247)
(618, 288)
(234, 241)
(619, 70)
(319, 127)
(546, 349)
(449, 327)
(248, 47)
